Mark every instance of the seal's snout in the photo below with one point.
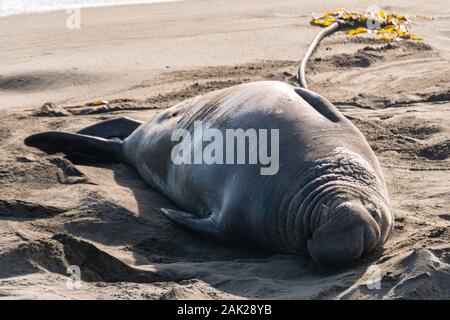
(350, 233)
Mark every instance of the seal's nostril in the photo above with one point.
(376, 215)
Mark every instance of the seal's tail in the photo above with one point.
(78, 148)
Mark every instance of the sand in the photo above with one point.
(145, 58)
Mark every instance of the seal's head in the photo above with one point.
(349, 226)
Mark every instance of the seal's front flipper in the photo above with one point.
(77, 147)
(115, 128)
(206, 226)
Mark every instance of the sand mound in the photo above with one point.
(61, 251)
(18, 208)
(416, 274)
(190, 289)
(48, 109)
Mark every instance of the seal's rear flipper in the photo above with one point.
(206, 226)
(115, 128)
(77, 147)
(322, 105)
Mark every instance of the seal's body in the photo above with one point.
(328, 196)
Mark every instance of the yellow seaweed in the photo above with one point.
(357, 31)
(391, 26)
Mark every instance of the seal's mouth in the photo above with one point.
(345, 237)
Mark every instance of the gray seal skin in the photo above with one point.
(328, 198)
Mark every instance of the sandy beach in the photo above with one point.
(145, 58)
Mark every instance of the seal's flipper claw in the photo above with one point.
(115, 128)
(206, 226)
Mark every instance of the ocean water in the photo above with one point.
(12, 7)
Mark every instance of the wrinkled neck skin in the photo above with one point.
(338, 196)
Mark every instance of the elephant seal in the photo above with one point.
(328, 197)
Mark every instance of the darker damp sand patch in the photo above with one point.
(408, 139)
(199, 81)
(357, 60)
(412, 127)
(404, 136)
(369, 55)
(437, 151)
(252, 71)
(35, 81)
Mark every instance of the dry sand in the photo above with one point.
(105, 219)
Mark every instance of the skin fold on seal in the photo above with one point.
(328, 197)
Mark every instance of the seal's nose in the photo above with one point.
(344, 238)
(331, 249)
